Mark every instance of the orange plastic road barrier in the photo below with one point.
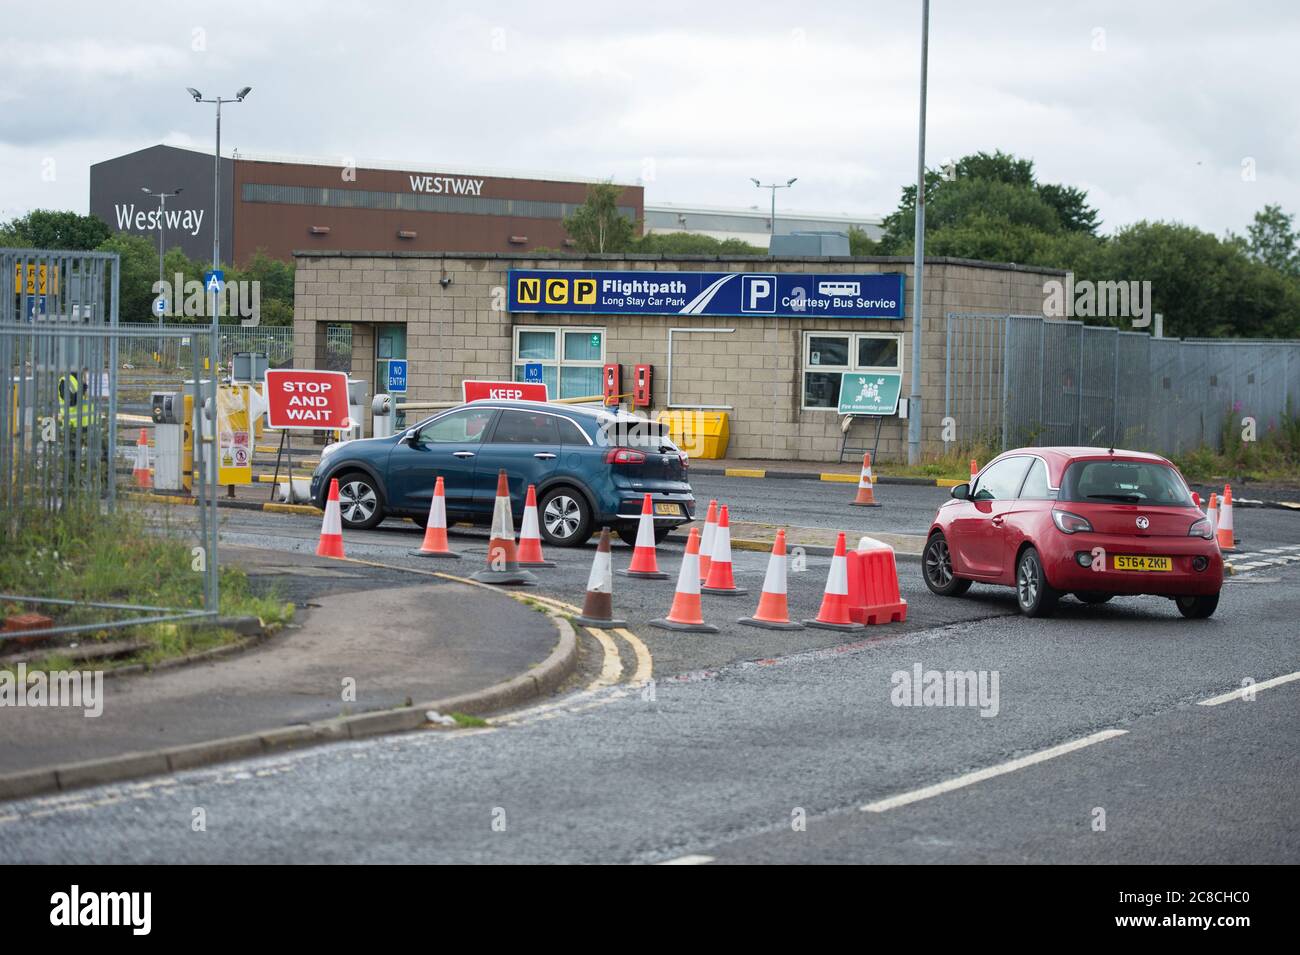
(720, 579)
(773, 611)
(685, 613)
(530, 535)
(866, 491)
(645, 564)
(1225, 536)
(873, 584)
(331, 526)
(502, 561)
(435, 530)
(706, 541)
(834, 612)
(598, 607)
(143, 476)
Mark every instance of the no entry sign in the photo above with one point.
(509, 390)
(299, 398)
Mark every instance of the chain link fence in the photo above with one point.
(1014, 380)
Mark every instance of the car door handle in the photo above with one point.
(462, 454)
(997, 521)
(544, 455)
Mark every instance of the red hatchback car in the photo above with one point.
(1088, 521)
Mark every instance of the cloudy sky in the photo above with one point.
(1174, 110)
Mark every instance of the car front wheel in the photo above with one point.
(360, 504)
(1197, 608)
(565, 517)
(936, 564)
(1033, 593)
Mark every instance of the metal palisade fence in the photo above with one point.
(175, 351)
(1014, 380)
(61, 350)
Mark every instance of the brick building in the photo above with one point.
(456, 317)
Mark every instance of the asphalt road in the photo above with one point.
(745, 733)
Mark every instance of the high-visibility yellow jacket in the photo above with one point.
(75, 408)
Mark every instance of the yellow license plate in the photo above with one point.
(673, 509)
(1133, 562)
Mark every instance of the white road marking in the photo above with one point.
(980, 775)
(1253, 688)
(689, 860)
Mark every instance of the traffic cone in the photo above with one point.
(685, 613)
(974, 470)
(866, 493)
(143, 476)
(530, 535)
(720, 580)
(598, 608)
(502, 562)
(1224, 533)
(644, 562)
(331, 526)
(773, 611)
(834, 612)
(706, 540)
(1212, 515)
(435, 531)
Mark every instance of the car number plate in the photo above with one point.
(1136, 562)
(672, 509)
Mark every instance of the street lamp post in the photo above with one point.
(774, 186)
(162, 208)
(918, 262)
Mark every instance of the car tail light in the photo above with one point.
(624, 456)
(1068, 523)
(1201, 528)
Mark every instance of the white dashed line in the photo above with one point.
(689, 860)
(1252, 689)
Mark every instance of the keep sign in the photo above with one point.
(305, 399)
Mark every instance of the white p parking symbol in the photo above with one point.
(758, 293)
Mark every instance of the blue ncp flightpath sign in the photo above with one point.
(792, 295)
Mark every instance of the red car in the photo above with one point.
(1088, 521)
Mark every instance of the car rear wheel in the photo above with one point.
(1197, 608)
(565, 517)
(1092, 597)
(1033, 593)
(361, 506)
(936, 565)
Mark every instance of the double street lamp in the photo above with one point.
(774, 186)
(162, 198)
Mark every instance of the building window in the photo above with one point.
(828, 355)
(571, 358)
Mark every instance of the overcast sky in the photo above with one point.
(1152, 107)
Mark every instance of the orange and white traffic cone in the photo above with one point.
(685, 613)
(1212, 515)
(720, 580)
(1224, 533)
(598, 607)
(834, 612)
(530, 535)
(773, 611)
(974, 470)
(435, 530)
(706, 540)
(866, 490)
(644, 562)
(143, 476)
(502, 561)
(331, 526)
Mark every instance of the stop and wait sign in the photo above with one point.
(305, 399)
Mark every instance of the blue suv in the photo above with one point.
(591, 468)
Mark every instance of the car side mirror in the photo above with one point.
(961, 492)
(411, 437)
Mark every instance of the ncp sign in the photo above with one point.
(305, 399)
(508, 390)
(788, 294)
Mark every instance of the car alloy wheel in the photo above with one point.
(1027, 583)
(358, 502)
(938, 563)
(1034, 594)
(566, 518)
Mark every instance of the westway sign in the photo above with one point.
(871, 295)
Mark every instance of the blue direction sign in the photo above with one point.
(533, 372)
(214, 281)
(397, 376)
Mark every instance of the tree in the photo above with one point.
(55, 229)
(1272, 240)
(137, 275)
(690, 243)
(597, 225)
(1071, 205)
(862, 244)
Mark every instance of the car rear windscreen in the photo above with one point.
(1124, 482)
(640, 434)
